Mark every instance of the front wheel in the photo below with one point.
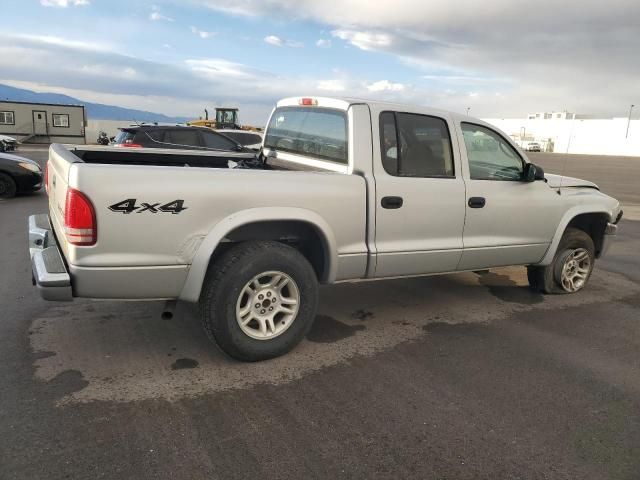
(7, 186)
(259, 300)
(571, 267)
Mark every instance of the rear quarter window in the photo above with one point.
(311, 132)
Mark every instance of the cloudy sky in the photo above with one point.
(500, 58)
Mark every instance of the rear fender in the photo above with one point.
(200, 264)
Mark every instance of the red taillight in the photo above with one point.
(79, 219)
(46, 177)
(131, 145)
(308, 101)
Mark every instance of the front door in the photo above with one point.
(420, 195)
(39, 122)
(508, 221)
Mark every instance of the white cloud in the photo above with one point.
(280, 42)
(385, 86)
(323, 43)
(365, 40)
(564, 57)
(274, 40)
(220, 68)
(202, 33)
(62, 42)
(331, 85)
(64, 3)
(156, 16)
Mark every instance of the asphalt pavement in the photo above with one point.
(468, 376)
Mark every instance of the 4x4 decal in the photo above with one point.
(129, 205)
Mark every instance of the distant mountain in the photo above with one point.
(94, 111)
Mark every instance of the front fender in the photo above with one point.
(564, 222)
(200, 263)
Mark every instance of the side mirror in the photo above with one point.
(532, 173)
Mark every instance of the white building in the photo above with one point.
(42, 122)
(565, 132)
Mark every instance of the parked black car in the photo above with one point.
(175, 136)
(18, 175)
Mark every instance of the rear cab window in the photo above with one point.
(315, 132)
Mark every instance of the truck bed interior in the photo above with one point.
(131, 156)
(177, 158)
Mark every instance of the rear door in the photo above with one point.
(508, 221)
(420, 194)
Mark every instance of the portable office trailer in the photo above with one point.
(42, 122)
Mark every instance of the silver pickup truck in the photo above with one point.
(343, 190)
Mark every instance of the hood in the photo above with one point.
(8, 139)
(556, 181)
(16, 158)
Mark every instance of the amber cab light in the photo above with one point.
(80, 219)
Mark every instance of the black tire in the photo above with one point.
(7, 186)
(546, 279)
(226, 280)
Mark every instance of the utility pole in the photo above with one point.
(629, 121)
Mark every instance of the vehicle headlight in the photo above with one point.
(30, 166)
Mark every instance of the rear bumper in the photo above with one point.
(49, 272)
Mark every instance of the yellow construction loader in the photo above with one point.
(226, 118)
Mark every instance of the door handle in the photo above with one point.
(391, 202)
(477, 202)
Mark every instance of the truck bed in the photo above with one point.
(158, 156)
(131, 240)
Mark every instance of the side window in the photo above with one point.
(490, 156)
(217, 142)
(60, 120)
(183, 136)
(7, 118)
(415, 145)
(150, 136)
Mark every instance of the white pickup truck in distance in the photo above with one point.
(343, 190)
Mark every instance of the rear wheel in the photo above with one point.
(7, 186)
(571, 267)
(259, 300)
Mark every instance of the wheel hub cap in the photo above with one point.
(267, 305)
(575, 270)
